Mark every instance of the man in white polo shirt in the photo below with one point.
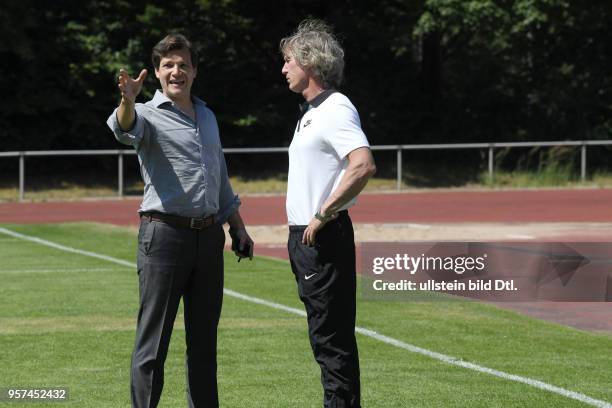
(329, 164)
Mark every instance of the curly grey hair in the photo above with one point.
(314, 46)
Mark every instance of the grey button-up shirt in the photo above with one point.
(181, 161)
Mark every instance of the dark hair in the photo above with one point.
(173, 42)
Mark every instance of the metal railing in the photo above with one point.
(250, 150)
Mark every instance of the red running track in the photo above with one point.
(575, 205)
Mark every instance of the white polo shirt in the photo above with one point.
(328, 131)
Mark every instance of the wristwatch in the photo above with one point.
(322, 218)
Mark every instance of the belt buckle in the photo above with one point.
(196, 223)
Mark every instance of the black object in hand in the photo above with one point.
(246, 249)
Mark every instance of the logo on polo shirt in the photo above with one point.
(308, 122)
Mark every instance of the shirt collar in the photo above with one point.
(316, 101)
(320, 98)
(159, 99)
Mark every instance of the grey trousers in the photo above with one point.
(174, 263)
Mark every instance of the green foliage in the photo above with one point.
(552, 175)
(419, 72)
(538, 167)
(520, 70)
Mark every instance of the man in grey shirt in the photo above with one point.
(187, 198)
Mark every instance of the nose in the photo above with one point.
(284, 70)
(175, 70)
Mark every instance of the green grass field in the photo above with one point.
(68, 320)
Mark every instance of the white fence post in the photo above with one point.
(583, 159)
(120, 174)
(491, 165)
(399, 168)
(21, 175)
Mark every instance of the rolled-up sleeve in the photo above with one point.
(131, 137)
(228, 201)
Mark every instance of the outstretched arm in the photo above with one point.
(130, 88)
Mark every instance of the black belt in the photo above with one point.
(178, 221)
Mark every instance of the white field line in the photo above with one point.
(56, 270)
(65, 248)
(264, 302)
(362, 330)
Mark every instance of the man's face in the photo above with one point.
(176, 74)
(297, 77)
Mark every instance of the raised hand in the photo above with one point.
(130, 88)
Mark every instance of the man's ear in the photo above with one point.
(157, 73)
(195, 72)
(310, 72)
